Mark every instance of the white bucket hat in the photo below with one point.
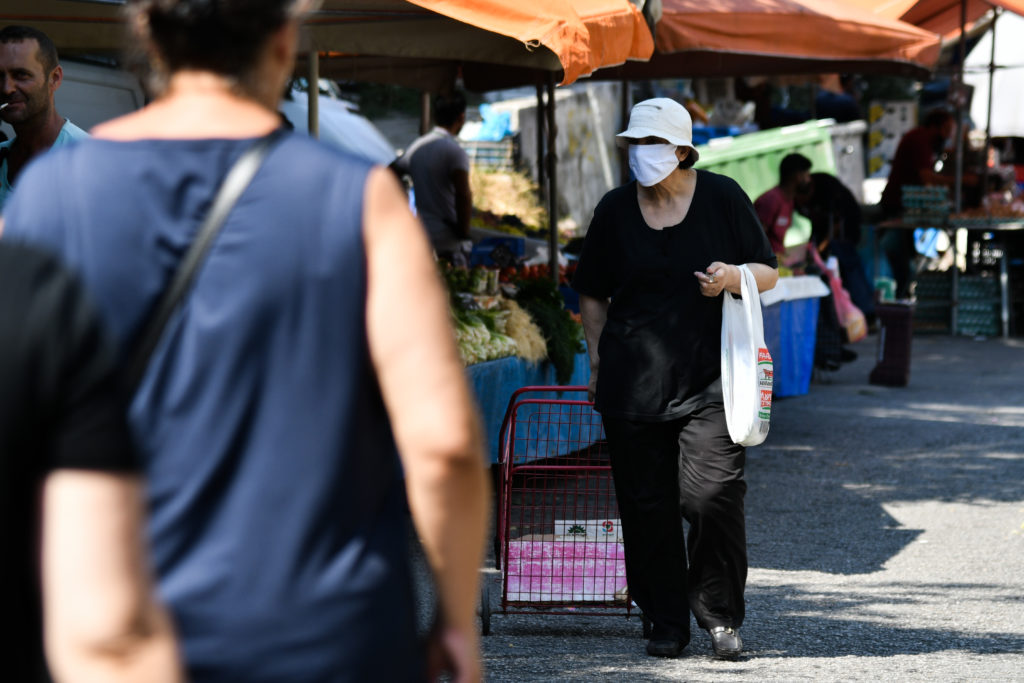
(660, 117)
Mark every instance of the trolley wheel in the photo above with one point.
(647, 626)
(485, 608)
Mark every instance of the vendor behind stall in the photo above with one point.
(439, 169)
(775, 207)
(915, 164)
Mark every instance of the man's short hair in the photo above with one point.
(791, 165)
(448, 108)
(935, 118)
(46, 52)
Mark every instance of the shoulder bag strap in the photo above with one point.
(234, 184)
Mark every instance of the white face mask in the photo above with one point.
(651, 164)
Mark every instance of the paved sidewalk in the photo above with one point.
(886, 536)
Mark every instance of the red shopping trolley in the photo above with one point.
(558, 538)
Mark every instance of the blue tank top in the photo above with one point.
(277, 519)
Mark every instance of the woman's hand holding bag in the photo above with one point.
(746, 364)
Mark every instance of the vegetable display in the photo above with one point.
(563, 334)
(481, 336)
(509, 224)
(526, 318)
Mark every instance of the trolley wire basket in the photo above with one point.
(558, 538)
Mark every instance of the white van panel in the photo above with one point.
(92, 94)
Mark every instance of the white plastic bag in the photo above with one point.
(746, 365)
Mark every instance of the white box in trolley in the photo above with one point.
(590, 529)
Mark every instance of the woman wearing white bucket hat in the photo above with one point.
(659, 253)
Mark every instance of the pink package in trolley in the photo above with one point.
(565, 571)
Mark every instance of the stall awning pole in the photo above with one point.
(552, 182)
(624, 108)
(988, 115)
(958, 186)
(424, 113)
(958, 190)
(1004, 302)
(541, 161)
(313, 94)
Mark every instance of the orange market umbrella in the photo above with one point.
(939, 16)
(618, 34)
(618, 31)
(615, 32)
(542, 34)
(538, 34)
(760, 37)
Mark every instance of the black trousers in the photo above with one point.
(665, 471)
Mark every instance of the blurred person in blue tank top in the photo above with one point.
(309, 365)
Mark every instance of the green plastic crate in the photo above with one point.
(752, 160)
(978, 287)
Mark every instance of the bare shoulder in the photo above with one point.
(131, 126)
(384, 197)
(181, 119)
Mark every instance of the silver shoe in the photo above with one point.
(726, 642)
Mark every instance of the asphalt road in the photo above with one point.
(886, 540)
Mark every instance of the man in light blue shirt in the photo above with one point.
(29, 77)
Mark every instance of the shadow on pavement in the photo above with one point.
(836, 456)
(793, 624)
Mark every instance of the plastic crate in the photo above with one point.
(498, 156)
(934, 285)
(978, 287)
(932, 311)
(978, 312)
(481, 254)
(978, 317)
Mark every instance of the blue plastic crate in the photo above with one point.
(481, 254)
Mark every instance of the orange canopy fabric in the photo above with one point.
(617, 29)
(938, 16)
(943, 16)
(540, 34)
(584, 35)
(547, 35)
(828, 29)
(553, 24)
(509, 44)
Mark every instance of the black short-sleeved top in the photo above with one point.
(58, 409)
(660, 350)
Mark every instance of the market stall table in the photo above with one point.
(494, 382)
(951, 226)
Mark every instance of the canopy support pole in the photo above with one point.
(552, 158)
(1004, 303)
(313, 95)
(958, 183)
(624, 109)
(959, 85)
(424, 112)
(988, 115)
(541, 161)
